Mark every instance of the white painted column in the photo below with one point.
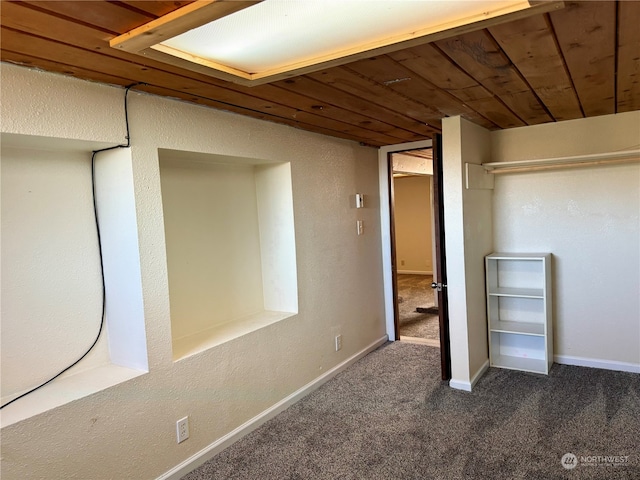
(468, 238)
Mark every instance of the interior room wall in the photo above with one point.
(51, 284)
(128, 431)
(412, 218)
(50, 266)
(468, 238)
(588, 218)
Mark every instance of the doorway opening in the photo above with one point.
(414, 246)
(433, 168)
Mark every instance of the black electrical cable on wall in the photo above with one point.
(95, 215)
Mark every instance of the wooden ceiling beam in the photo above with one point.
(107, 16)
(531, 46)
(318, 90)
(352, 83)
(51, 65)
(156, 8)
(628, 68)
(386, 71)
(481, 57)
(333, 111)
(586, 33)
(431, 64)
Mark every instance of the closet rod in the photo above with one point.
(563, 162)
(535, 168)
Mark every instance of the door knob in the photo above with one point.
(438, 286)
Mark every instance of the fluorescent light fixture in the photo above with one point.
(254, 42)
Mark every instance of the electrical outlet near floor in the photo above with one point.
(338, 342)
(182, 426)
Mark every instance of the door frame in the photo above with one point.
(441, 257)
(386, 223)
(385, 226)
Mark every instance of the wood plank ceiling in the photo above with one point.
(580, 61)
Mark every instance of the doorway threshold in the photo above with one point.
(422, 341)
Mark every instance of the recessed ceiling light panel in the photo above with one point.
(275, 34)
(275, 39)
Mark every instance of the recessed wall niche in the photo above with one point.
(230, 244)
(51, 285)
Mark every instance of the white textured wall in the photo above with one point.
(128, 431)
(51, 286)
(588, 218)
(468, 238)
(50, 266)
(478, 240)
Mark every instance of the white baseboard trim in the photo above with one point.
(230, 438)
(467, 386)
(460, 385)
(414, 272)
(597, 363)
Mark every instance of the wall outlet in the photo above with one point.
(338, 342)
(402, 262)
(182, 427)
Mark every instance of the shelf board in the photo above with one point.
(517, 292)
(517, 256)
(525, 364)
(521, 328)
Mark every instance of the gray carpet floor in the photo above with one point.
(415, 291)
(389, 416)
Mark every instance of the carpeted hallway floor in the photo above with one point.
(415, 291)
(390, 417)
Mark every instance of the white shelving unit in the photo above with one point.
(519, 311)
